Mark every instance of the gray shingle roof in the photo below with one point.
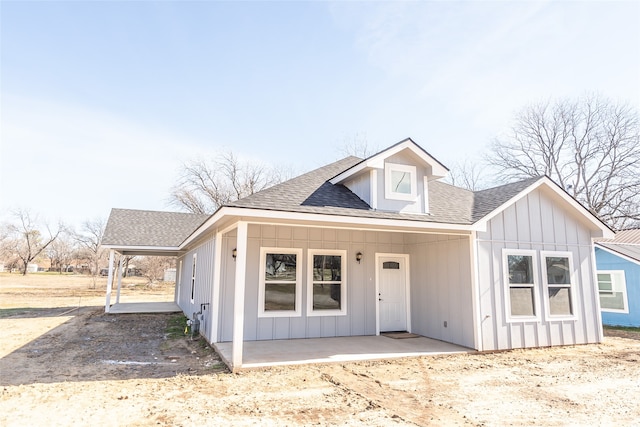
(312, 193)
(485, 201)
(128, 227)
(309, 193)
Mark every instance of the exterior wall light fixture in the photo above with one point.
(359, 257)
(234, 253)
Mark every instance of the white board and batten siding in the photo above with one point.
(360, 317)
(536, 223)
(204, 253)
(441, 289)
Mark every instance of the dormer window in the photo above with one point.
(400, 182)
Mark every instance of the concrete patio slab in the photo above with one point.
(144, 307)
(257, 354)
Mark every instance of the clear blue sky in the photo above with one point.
(101, 102)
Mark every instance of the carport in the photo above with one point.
(144, 233)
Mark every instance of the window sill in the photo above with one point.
(523, 319)
(558, 318)
(325, 313)
(613, 310)
(272, 314)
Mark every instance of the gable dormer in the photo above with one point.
(396, 179)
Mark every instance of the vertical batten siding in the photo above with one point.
(361, 187)
(536, 222)
(441, 288)
(361, 300)
(203, 283)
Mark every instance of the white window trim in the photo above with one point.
(571, 286)
(261, 283)
(507, 288)
(343, 287)
(192, 289)
(392, 195)
(622, 287)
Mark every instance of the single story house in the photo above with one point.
(618, 262)
(363, 246)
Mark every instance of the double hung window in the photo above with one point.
(557, 273)
(279, 294)
(326, 285)
(520, 272)
(612, 288)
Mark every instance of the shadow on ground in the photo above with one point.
(94, 346)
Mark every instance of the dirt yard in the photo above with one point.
(64, 362)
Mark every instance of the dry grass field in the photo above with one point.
(64, 362)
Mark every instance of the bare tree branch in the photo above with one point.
(206, 185)
(590, 147)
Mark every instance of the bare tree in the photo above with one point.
(206, 185)
(61, 252)
(152, 267)
(89, 239)
(589, 146)
(24, 239)
(358, 146)
(467, 174)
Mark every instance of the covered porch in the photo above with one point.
(115, 276)
(260, 354)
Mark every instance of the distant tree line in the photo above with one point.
(26, 239)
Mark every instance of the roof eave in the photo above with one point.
(607, 232)
(618, 254)
(376, 161)
(250, 214)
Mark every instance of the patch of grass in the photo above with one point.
(622, 328)
(176, 326)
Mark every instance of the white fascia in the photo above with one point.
(481, 225)
(377, 161)
(356, 222)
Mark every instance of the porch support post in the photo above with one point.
(215, 298)
(107, 305)
(119, 278)
(475, 290)
(238, 302)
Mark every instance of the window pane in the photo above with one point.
(522, 301)
(520, 268)
(327, 268)
(401, 182)
(605, 282)
(391, 265)
(559, 301)
(279, 296)
(281, 267)
(326, 296)
(612, 300)
(558, 271)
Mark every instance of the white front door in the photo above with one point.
(392, 293)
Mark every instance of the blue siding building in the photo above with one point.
(618, 263)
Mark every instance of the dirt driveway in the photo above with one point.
(82, 367)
